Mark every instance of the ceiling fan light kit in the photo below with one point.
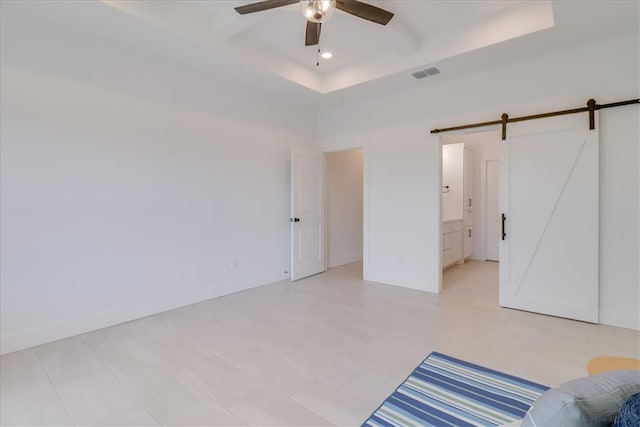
(318, 11)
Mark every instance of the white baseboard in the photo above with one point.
(344, 259)
(79, 325)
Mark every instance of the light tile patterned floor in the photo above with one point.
(321, 351)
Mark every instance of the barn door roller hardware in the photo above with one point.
(591, 108)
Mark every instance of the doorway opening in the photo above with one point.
(470, 215)
(345, 195)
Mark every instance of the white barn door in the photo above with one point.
(549, 194)
(307, 212)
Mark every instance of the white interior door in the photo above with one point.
(550, 197)
(493, 210)
(307, 212)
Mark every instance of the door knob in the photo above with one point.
(294, 219)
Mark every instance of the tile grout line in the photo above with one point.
(55, 389)
(295, 402)
(117, 378)
(149, 413)
(228, 409)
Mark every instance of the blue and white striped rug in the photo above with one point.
(444, 391)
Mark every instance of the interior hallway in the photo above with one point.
(324, 350)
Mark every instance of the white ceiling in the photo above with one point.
(266, 49)
(420, 32)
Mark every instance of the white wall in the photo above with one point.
(131, 185)
(453, 177)
(620, 216)
(344, 206)
(399, 208)
(403, 159)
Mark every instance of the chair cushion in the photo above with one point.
(585, 402)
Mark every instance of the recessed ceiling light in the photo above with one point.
(326, 55)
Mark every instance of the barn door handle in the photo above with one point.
(503, 233)
(294, 219)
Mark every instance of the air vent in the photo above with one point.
(420, 74)
(426, 73)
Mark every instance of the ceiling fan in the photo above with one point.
(318, 11)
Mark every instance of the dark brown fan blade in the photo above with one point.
(365, 11)
(312, 34)
(263, 5)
